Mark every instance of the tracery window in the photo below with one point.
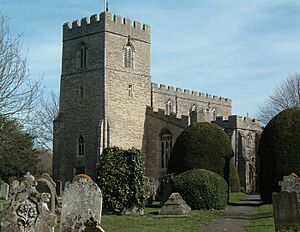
(166, 143)
(169, 107)
(80, 146)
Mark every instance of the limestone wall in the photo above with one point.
(156, 121)
(183, 100)
(125, 108)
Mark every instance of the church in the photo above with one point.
(107, 99)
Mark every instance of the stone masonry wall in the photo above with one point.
(81, 100)
(183, 100)
(156, 121)
(126, 113)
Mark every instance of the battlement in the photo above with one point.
(106, 22)
(239, 122)
(172, 118)
(190, 94)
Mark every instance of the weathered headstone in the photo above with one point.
(28, 210)
(4, 190)
(291, 183)
(82, 203)
(175, 205)
(285, 210)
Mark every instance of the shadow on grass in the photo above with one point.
(246, 203)
(263, 215)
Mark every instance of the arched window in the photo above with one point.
(80, 146)
(166, 143)
(193, 114)
(169, 107)
(83, 56)
(128, 55)
(213, 115)
(249, 140)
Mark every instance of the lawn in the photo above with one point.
(152, 222)
(236, 197)
(262, 221)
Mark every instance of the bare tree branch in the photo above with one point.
(40, 122)
(286, 95)
(18, 92)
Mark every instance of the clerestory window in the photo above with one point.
(169, 107)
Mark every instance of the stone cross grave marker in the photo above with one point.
(285, 210)
(81, 205)
(4, 190)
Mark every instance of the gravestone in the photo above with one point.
(28, 210)
(285, 210)
(291, 183)
(81, 204)
(4, 190)
(175, 205)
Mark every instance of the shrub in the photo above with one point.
(201, 145)
(279, 151)
(234, 179)
(202, 189)
(120, 175)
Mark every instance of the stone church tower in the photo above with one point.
(105, 88)
(107, 99)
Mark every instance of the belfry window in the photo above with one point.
(166, 144)
(83, 56)
(128, 56)
(169, 107)
(80, 146)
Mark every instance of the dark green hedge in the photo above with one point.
(120, 175)
(234, 179)
(202, 189)
(279, 151)
(201, 145)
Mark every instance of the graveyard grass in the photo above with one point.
(152, 222)
(262, 221)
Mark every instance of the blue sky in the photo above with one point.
(235, 48)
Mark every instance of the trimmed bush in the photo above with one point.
(202, 189)
(201, 145)
(279, 151)
(120, 175)
(234, 179)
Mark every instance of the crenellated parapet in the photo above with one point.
(238, 122)
(185, 93)
(183, 121)
(106, 22)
